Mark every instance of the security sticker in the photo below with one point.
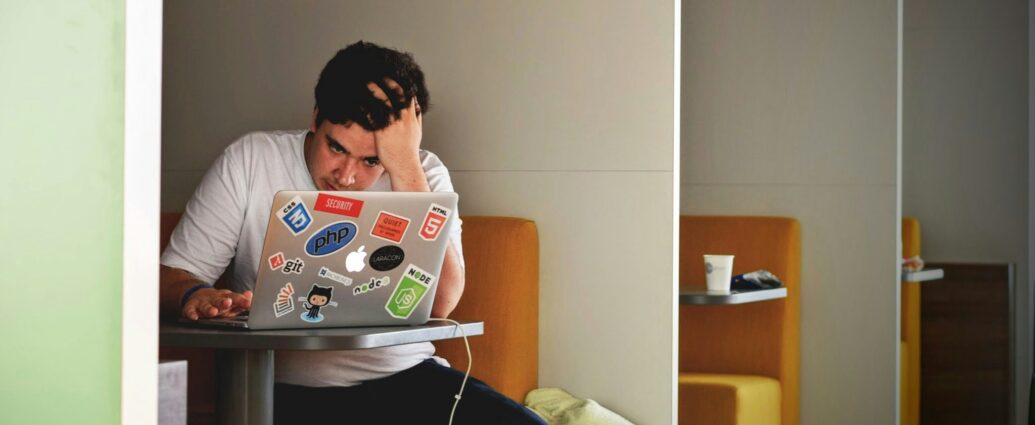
(294, 266)
(338, 205)
(434, 220)
(318, 298)
(330, 238)
(276, 261)
(285, 302)
(409, 292)
(387, 258)
(373, 284)
(337, 277)
(295, 216)
(390, 227)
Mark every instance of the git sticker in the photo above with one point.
(409, 292)
(276, 261)
(434, 220)
(337, 277)
(294, 266)
(285, 303)
(390, 227)
(295, 216)
(338, 205)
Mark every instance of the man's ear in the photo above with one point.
(312, 124)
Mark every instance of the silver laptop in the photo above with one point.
(333, 259)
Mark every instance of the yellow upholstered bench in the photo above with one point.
(909, 413)
(738, 364)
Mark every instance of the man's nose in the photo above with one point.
(346, 174)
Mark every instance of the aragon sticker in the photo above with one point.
(337, 277)
(387, 258)
(409, 292)
(372, 285)
(285, 302)
(330, 238)
(390, 227)
(294, 266)
(276, 261)
(295, 216)
(434, 220)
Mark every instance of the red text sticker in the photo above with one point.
(434, 221)
(338, 205)
(277, 261)
(390, 227)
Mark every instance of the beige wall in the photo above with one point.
(790, 109)
(561, 112)
(965, 141)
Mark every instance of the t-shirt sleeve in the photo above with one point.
(205, 240)
(439, 181)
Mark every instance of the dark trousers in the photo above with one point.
(423, 394)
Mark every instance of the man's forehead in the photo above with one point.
(351, 136)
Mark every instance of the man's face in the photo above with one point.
(342, 157)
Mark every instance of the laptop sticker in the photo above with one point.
(356, 261)
(390, 227)
(338, 205)
(294, 266)
(276, 261)
(330, 238)
(434, 220)
(318, 298)
(387, 258)
(295, 216)
(409, 292)
(285, 302)
(372, 285)
(337, 277)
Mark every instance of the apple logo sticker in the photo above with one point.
(354, 262)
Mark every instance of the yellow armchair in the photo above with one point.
(909, 413)
(739, 364)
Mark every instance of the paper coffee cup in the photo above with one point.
(718, 270)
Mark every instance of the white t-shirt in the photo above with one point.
(226, 220)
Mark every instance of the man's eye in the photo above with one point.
(336, 147)
(372, 162)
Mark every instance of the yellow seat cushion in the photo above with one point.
(712, 399)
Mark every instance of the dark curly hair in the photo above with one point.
(342, 95)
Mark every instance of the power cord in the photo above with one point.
(469, 361)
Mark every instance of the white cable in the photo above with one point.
(470, 360)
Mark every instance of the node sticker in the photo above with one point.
(409, 292)
(330, 238)
(337, 277)
(295, 216)
(338, 205)
(318, 298)
(434, 220)
(387, 258)
(390, 227)
(372, 285)
(285, 302)
(276, 261)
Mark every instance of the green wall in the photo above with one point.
(61, 132)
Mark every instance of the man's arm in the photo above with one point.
(173, 283)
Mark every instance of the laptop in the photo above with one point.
(335, 259)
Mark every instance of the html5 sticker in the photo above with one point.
(390, 227)
(434, 221)
(338, 205)
(277, 261)
(295, 216)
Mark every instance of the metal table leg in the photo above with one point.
(245, 394)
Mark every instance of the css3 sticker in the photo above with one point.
(434, 220)
(285, 302)
(330, 238)
(409, 292)
(295, 216)
(386, 258)
(318, 298)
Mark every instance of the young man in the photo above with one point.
(365, 134)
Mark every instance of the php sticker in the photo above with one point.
(387, 258)
(409, 292)
(337, 277)
(295, 216)
(294, 266)
(390, 227)
(330, 238)
(373, 284)
(434, 220)
(338, 205)
(318, 298)
(285, 302)
(276, 261)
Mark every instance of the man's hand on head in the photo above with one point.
(211, 302)
(398, 145)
